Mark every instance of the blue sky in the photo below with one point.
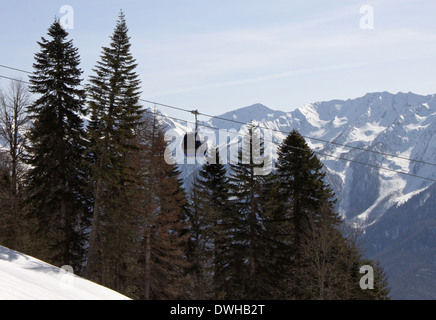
(218, 55)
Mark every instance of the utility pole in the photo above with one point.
(196, 113)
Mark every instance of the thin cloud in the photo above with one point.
(269, 77)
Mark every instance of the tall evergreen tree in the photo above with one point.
(210, 214)
(161, 244)
(321, 262)
(303, 193)
(279, 243)
(246, 276)
(302, 183)
(56, 178)
(199, 250)
(115, 114)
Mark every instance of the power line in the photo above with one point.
(265, 128)
(243, 123)
(13, 79)
(301, 149)
(306, 137)
(15, 69)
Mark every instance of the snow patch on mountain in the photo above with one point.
(402, 125)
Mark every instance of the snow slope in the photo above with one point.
(23, 277)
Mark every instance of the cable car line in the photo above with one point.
(243, 123)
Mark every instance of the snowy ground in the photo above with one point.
(25, 278)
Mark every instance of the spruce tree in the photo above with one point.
(303, 193)
(351, 268)
(56, 179)
(245, 274)
(161, 244)
(115, 114)
(209, 217)
(279, 243)
(320, 262)
(302, 183)
(381, 289)
(199, 250)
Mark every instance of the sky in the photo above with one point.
(219, 55)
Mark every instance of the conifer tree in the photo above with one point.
(161, 239)
(352, 261)
(209, 216)
(56, 180)
(198, 248)
(245, 274)
(322, 263)
(381, 290)
(303, 194)
(115, 114)
(302, 182)
(279, 243)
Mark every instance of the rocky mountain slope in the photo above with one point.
(365, 144)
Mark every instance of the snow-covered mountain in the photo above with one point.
(362, 130)
(401, 125)
(23, 277)
(381, 130)
(257, 112)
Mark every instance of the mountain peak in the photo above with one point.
(378, 152)
(257, 111)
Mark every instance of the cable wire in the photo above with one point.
(301, 149)
(243, 123)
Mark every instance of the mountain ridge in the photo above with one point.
(362, 130)
(380, 122)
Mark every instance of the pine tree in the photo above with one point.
(302, 182)
(199, 247)
(56, 181)
(161, 239)
(209, 216)
(279, 243)
(307, 203)
(245, 274)
(351, 264)
(115, 115)
(322, 263)
(381, 289)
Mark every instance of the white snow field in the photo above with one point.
(23, 277)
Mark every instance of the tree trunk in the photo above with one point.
(147, 263)
(94, 239)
